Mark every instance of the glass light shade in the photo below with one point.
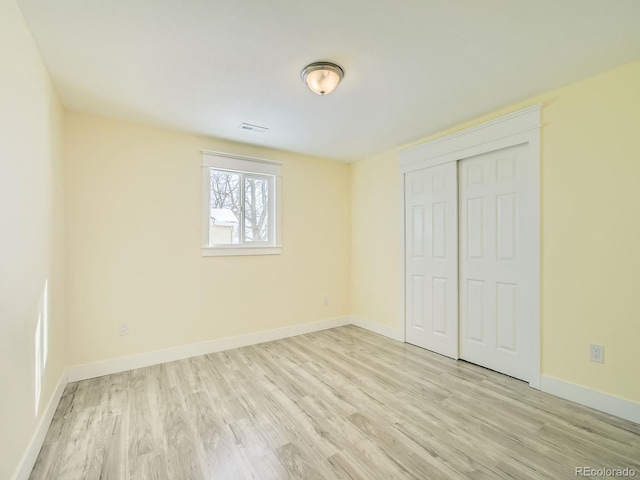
(322, 78)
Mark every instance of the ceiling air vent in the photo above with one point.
(253, 128)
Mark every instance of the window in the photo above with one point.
(241, 205)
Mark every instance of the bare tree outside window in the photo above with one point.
(256, 209)
(225, 196)
(231, 207)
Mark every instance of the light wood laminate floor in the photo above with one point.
(339, 404)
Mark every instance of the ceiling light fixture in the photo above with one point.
(322, 77)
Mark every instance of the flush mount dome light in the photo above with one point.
(322, 77)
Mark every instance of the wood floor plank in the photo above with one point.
(296, 463)
(44, 460)
(338, 404)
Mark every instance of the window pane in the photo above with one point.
(256, 209)
(224, 227)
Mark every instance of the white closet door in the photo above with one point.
(496, 260)
(431, 221)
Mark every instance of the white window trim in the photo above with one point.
(225, 161)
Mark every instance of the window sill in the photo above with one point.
(232, 251)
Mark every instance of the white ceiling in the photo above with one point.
(412, 67)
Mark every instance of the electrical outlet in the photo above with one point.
(597, 353)
(325, 301)
(124, 328)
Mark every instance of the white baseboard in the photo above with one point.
(30, 455)
(592, 398)
(392, 332)
(122, 364)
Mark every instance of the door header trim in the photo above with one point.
(481, 137)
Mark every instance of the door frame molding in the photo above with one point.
(521, 127)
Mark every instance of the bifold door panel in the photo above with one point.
(495, 205)
(431, 220)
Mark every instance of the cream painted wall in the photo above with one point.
(134, 232)
(375, 237)
(31, 235)
(590, 231)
